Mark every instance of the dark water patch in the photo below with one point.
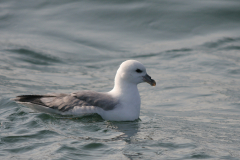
(34, 57)
(179, 50)
(174, 87)
(174, 53)
(199, 156)
(220, 42)
(45, 116)
(25, 137)
(228, 13)
(145, 55)
(232, 47)
(67, 148)
(234, 72)
(92, 146)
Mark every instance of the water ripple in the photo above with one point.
(34, 57)
(220, 42)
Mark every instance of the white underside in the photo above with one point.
(119, 113)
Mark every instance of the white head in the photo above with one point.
(132, 71)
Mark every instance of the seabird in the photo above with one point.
(122, 103)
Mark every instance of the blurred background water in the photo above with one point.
(191, 49)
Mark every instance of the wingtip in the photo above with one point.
(14, 99)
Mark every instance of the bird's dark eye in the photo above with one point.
(139, 71)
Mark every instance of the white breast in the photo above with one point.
(128, 108)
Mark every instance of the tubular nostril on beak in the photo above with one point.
(149, 80)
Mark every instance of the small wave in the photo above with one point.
(146, 55)
(234, 71)
(173, 53)
(220, 42)
(201, 155)
(231, 48)
(34, 57)
(179, 50)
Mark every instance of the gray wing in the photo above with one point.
(91, 98)
(66, 102)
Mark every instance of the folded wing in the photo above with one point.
(66, 102)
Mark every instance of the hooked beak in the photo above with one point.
(149, 80)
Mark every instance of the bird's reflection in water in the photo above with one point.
(129, 129)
